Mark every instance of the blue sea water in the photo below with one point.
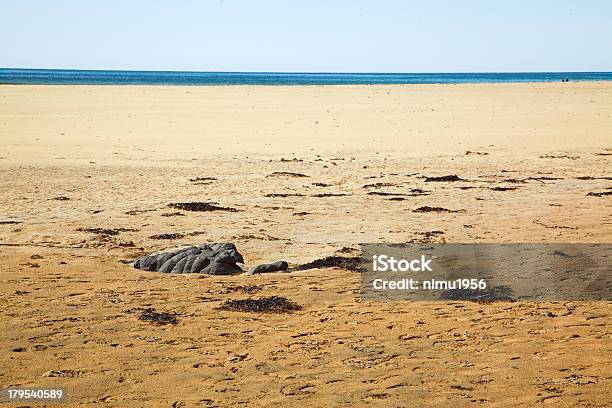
(100, 77)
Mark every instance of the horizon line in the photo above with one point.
(305, 72)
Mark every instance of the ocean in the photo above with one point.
(101, 77)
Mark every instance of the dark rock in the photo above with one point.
(271, 267)
(212, 259)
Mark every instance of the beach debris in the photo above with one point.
(201, 179)
(500, 188)
(286, 174)
(9, 222)
(271, 267)
(321, 195)
(321, 184)
(469, 152)
(593, 178)
(301, 213)
(61, 198)
(272, 304)
(537, 222)
(159, 318)
(379, 185)
(106, 231)
(449, 178)
(173, 214)
(559, 156)
(200, 206)
(599, 194)
(211, 259)
(426, 209)
(542, 179)
(295, 159)
(172, 235)
(414, 192)
(283, 195)
(250, 289)
(342, 262)
(136, 212)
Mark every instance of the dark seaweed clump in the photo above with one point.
(172, 235)
(150, 315)
(106, 231)
(286, 174)
(426, 209)
(452, 177)
(598, 194)
(200, 206)
(272, 304)
(342, 262)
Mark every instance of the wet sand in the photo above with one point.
(87, 174)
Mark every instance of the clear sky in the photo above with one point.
(308, 35)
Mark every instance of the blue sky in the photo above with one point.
(308, 36)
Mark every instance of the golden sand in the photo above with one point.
(78, 157)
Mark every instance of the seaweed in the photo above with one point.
(272, 304)
(200, 206)
(449, 178)
(426, 209)
(159, 318)
(599, 194)
(286, 174)
(342, 262)
(172, 235)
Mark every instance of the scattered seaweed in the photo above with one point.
(469, 152)
(172, 235)
(427, 209)
(272, 304)
(201, 179)
(330, 195)
(599, 194)
(9, 222)
(61, 198)
(200, 206)
(500, 188)
(106, 231)
(321, 184)
(250, 289)
(379, 185)
(283, 195)
(553, 226)
(342, 262)
(159, 318)
(173, 214)
(449, 178)
(286, 174)
(301, 213)
(559, 156)
(593, 178)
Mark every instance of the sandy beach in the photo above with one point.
(87, 174)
